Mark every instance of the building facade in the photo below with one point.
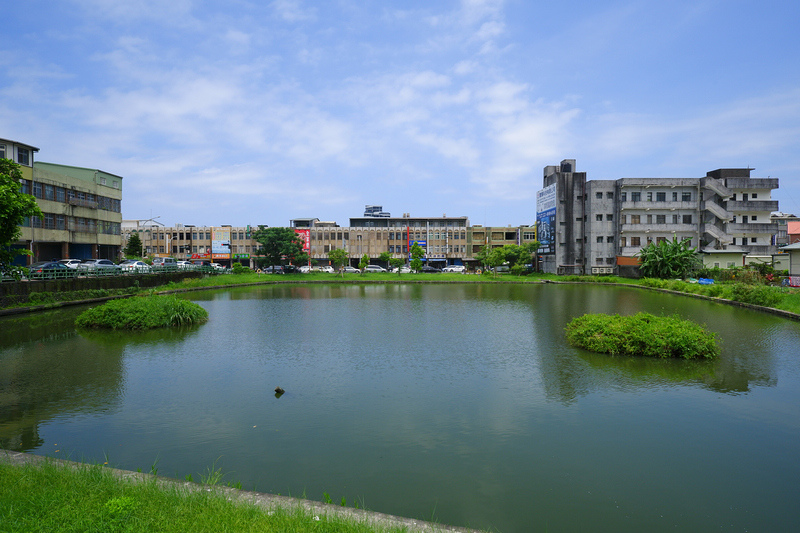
(82, 209)
(599, 222)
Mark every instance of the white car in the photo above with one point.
(455, 268)
(402, 270)
(327, 268)
(185, 265)
(374, 268)
(132, 265)
(350, 270)
(305, 269)
(71, 263)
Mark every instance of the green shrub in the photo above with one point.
(642, 334)
(238, 268)
(756, 294)
(143, 313)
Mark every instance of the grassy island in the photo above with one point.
(642, 334)
(145, 312)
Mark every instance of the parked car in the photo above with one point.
(430, 270)
(98, 265)
(290, 269)
(327, 268)
(374, 268)
(350, 270)
(274, 269)
(401, 270)
(455, 268)
(217, 266)
(132, 265)
(49, 270)
(305, 269)
(71, 263)
(184, 265)
(164, 262)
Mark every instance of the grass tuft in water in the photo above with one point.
(146, 312)
(642, 334)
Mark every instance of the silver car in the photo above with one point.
(96, 265)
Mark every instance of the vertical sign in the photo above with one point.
(305, 234)
(220, 243)
(546, 219)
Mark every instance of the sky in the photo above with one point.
(256, 112)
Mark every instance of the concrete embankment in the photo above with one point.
(259, 499)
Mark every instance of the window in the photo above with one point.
(635, 219)
(610, 195)
(623, 196)
(636, 241)
(23, 156)
(659, 240)
(102, 180)
(610, 238)
(687, 219)
(674, 196)
(649, 219)
(686, 196)
(37, 189)
(599, 196)
(661, 219)
(623, 241)
(661, 197)
(598, 218)
(599, 240)
(753, 240)
(599, 260)
(675, 219)
(609, 218)
(2, 151)
(636, 196)
(752, 218)
(649, 196)
(753, 196)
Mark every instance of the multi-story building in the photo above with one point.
(81, 208)
(188, 242)
(725, 214)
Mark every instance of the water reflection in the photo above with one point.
(462, 397)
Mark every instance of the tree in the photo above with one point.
(417, 253)
(338, 257)
(363, 263)
(278, 244)
(15, 206)
(668, 259)
(134, 246)
(397, 262)
(385, 258)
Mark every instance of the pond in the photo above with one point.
(456, 403)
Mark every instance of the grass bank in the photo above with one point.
(49, 495)
(782, 298)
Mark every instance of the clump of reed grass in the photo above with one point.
(146, 312)
(642, 334)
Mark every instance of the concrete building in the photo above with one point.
(81, 207)
(597, 222)
(186, 242)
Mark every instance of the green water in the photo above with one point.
(458, 403)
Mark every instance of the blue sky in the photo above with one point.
(255, 112)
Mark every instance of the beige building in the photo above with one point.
(81, 207)
(187, 242)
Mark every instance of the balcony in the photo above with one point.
(753, 205)
(653, 205)
(80, 202)
(640, 229)
(752, 183)
(748, 229)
